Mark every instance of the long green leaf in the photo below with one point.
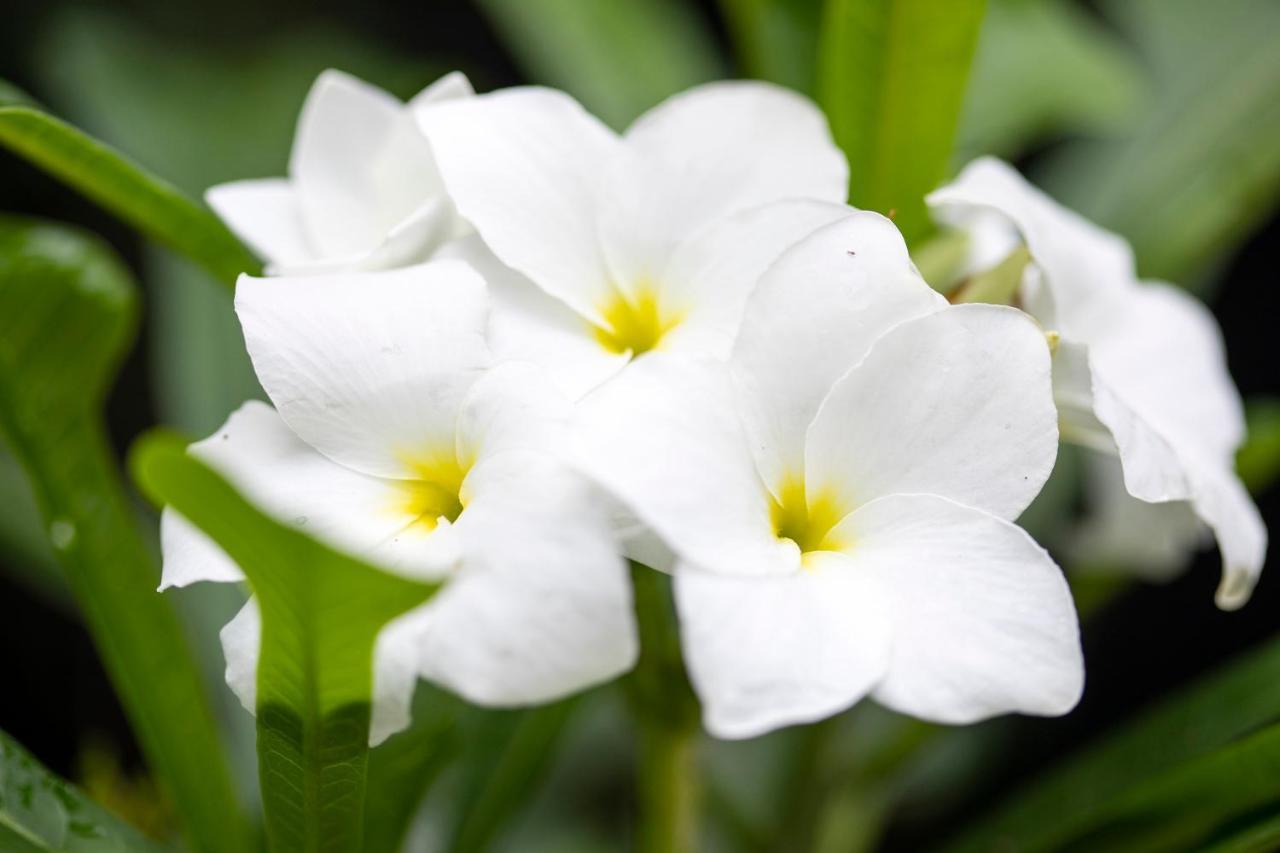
(1162, 746)
(775, 39)
(321, 614)
(40, 812)
(619, 59)
(116, 183)
(67, 313)
(891, 77)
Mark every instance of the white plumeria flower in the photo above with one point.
(395, 439)
(839, 496)
(622, 245)
(363, 191)
(1141, 371)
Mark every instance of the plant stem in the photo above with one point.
(668, 783)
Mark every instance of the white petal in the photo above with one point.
(541, 606)
(369, 368)
(958, 404)
(766, 652)
(394, 669)
(1222, 502)
(664, 438)
(712, 274)
(523, 167)
(265, 215)
(814, 315)
(287, 479)
(512, 407)
(529, 324)
(451, 87)
(983, 621)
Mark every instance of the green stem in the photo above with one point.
(668, 785)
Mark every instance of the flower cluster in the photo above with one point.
(509, 348)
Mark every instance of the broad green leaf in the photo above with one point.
(891, 77)
(1185, 740)
(1043, 67)
(40, 812)
(1259, 459)
(146, 202)
(775, 39)
(67, 313)
(619, 59)
(321, 614)
(1198, 167)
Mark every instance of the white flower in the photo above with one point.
(393, 438)
(839, 496)
(1141, 371)
(622, 245)
(363, 191)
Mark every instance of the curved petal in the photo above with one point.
(523, 166)
(529, 324)
(541, 606)
(265, 215)
(767, 652)
(664, 438)
(983, 621)
(512, 407)
(290, 481)
(394, 667)
(814, 314)
(711, 275)
(958, 404)
(451, 87)
(369, 368)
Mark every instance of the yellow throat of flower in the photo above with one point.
(433, 492)
(806, 522)
(634, 322)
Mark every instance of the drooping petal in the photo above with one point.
(369, 368)
(665, 439)
(767, 652)
(395, 671)
(523, 167)
(265, 215)
(983, 621)
(365, 516)
(958, 403)
(541, 606)
(814, 314)
(712, 274)
(529, 324)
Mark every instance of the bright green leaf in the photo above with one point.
(67, 313)
(40, 812)
(321, 613)
(1175, 747)
(619, 59)
(891, 77)
(107, 177)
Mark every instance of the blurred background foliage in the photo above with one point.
(1157, 118)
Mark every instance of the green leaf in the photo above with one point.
(1198, 168)
(1259, 459)
(321, 613)
(619, 59)
(107, 177)
(891, 77)
(775, 39)
(1043, 67)
(67, 313)
(40, 812)
(1200, 734)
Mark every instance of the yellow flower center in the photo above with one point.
(434, 491)
(806, 522)
(634, 323)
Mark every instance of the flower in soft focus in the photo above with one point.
(363, 191)
(1140, 372)
(618, 246)
(394, 438)
(839, 495)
